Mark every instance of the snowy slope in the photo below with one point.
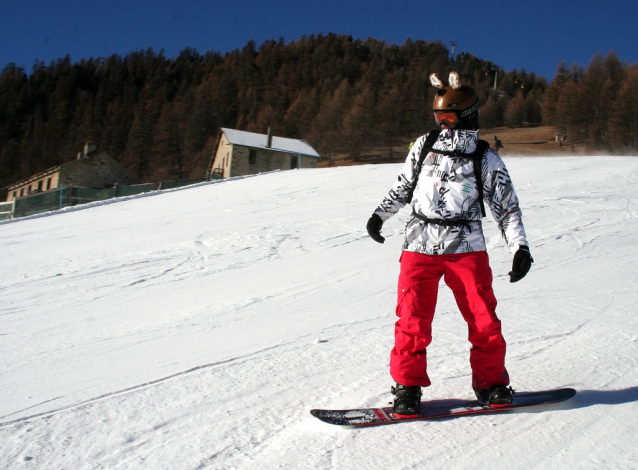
(196, 328)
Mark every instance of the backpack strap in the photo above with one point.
(427, 148)
(477, 157)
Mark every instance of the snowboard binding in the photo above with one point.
(496, 396)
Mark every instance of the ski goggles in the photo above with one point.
(449, 119)
(452, 117)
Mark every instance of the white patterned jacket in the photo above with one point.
(446, 189)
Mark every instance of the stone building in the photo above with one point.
(241, 153)
(91, 169)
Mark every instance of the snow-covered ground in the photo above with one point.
(196, 328)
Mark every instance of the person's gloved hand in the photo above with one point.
(522, 262)
(374, 228)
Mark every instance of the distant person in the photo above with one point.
(444, 238)
(497, 144)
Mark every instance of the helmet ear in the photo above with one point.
(455, 80)
(436, 81)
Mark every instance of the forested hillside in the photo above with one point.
(160, 116)
(598, 105)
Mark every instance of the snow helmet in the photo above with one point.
(455, 106)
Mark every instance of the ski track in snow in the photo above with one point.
(196, 328)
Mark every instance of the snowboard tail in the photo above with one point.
(439, 409)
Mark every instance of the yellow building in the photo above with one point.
(91, 169)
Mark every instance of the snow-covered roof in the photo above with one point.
(279, 144)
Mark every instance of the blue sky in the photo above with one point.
(534, 35)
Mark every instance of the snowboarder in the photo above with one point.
(444, 238)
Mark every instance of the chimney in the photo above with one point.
(89, 148)
(269, 143)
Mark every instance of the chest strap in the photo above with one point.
(443, 222)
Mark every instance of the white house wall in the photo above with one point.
(223, 157)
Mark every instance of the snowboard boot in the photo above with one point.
(497, 396)
(407, 401)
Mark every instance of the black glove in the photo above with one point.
(522, 262)
(374, 228)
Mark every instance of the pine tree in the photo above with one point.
(623, 123)
(515, 114)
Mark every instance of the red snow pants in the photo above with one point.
(470, 278)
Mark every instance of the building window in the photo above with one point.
(48, 183)
(40, 185)
(252, 157)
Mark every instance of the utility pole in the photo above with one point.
(453, 44)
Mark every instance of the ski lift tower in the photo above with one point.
(453, 44)
(495, 69)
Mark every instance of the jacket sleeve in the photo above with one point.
(397, 197)
(499, 193)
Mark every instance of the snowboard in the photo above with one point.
(435, 409)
